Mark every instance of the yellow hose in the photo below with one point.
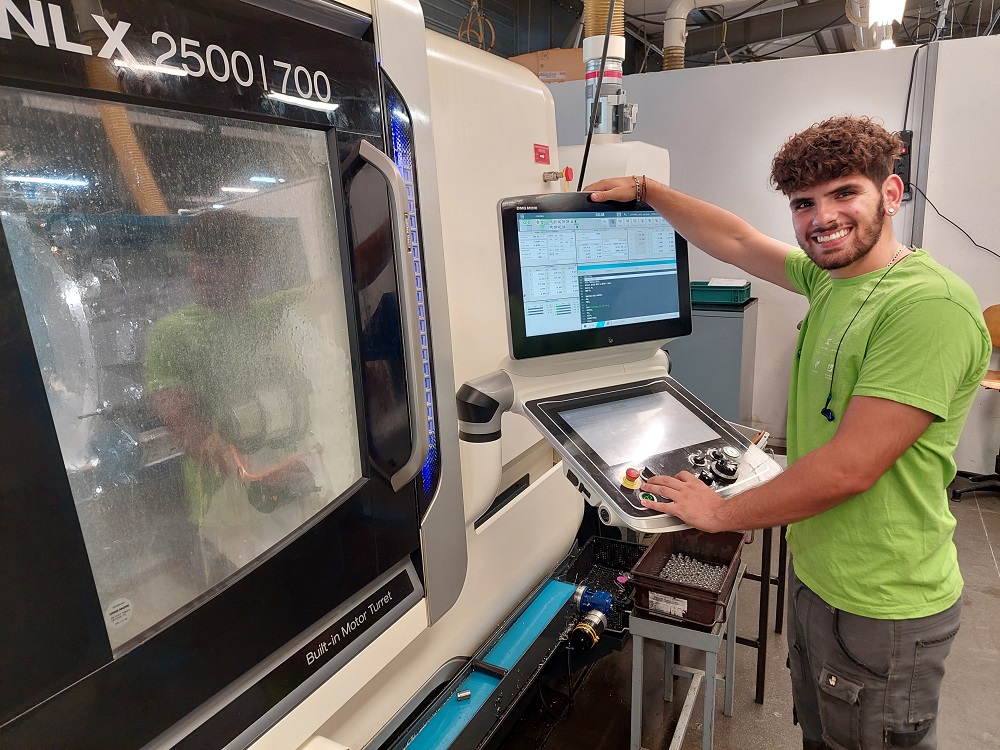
(131, 159)
(595, 18)
(673, 58)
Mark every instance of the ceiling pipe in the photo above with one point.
(675, 30)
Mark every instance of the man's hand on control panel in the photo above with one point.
(691, 500)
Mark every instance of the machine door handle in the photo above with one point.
(407, 289)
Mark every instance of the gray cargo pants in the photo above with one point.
(861, 684)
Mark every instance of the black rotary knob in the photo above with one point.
(706, 476)
(725, 470)
(698, 458)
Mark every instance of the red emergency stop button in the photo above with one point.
(631, 480)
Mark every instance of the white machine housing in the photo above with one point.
(470, 151)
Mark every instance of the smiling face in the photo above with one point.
(839, 222)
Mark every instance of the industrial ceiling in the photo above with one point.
(732, 32)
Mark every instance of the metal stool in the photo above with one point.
(680, 634)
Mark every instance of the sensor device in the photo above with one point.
(583, 275)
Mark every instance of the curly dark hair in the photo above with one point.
(835, 148)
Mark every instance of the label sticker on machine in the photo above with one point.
(119, 612)
(541, 154)
(358, 620)
(667, 605)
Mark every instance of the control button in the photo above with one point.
(631, 480)
(715, 454)
(647, 474)
(572, 477)
(649, 496)
(706, 476)
(731, 452)
(698, 459)
(725, 470)
(605, 515)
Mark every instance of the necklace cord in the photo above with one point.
(826, 411)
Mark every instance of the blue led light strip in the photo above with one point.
(402, 154)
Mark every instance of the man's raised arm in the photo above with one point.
(721, 234)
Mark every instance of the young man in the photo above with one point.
(222, 374)
(887, 364)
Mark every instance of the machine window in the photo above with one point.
(181, 278)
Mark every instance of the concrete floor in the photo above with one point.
(599, 719)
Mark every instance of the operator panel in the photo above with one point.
(613, 439)
(583, 279)
(582, 275)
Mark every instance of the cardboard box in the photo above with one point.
(554, 65)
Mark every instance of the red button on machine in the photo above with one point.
(631, 480)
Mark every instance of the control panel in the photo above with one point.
(612, 440)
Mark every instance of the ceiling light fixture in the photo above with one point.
(873, 22)
(57, 181)
(884, 12)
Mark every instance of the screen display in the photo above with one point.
(620, 432)
(585, 270)
(581, 275)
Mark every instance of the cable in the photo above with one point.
(906, 114)
(595, 107)
(826, 411)
(647, 16)
(915, 37)
(981, 247)
(803, 39)
(570, 690)
(745, 11)
(909, 87)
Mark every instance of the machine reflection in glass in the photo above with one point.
(191, 331)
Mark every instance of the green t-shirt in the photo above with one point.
(230, 361)
(920, 340)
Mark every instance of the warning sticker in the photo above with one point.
(118, 613)
(667, 605)
(541, 154)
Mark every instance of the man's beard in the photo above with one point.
(866, 236)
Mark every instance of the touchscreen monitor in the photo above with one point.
(653, 424)
(581, 275)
